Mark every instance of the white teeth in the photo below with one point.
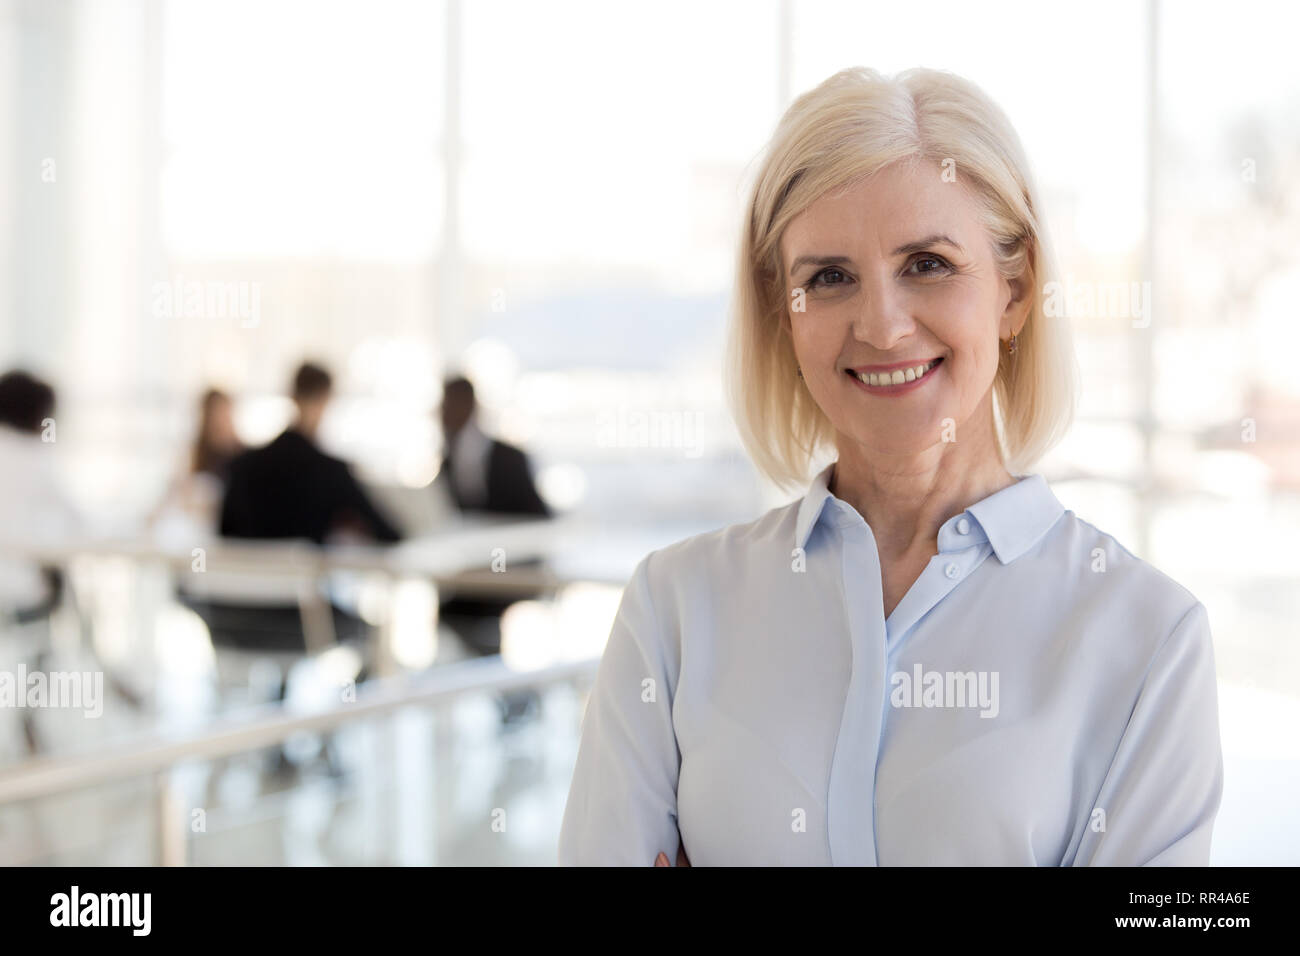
(897, 376)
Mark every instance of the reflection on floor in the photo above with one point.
(455, 785)
(472, 781)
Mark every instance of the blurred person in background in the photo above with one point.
(291, 488)
(33, 511)
(217, 443)
(287, 490)
(194, 498)
(482, 475)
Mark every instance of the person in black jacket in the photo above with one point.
(292, 489)
(483, 475)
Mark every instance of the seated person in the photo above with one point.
(291, 489)
(483, 475)
(32, 508)
(193, 499)
(33, 511)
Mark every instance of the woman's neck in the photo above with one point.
(905, 500)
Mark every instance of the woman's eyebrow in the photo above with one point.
(819, 261)
(938, 239)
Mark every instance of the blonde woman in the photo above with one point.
(925, 660)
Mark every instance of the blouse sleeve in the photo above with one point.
(622, 806)
(1163, 789)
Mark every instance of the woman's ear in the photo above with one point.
(1019, 301)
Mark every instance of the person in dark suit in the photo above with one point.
(291, 489)
(483, 475)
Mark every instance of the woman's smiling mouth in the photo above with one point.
(895, 381)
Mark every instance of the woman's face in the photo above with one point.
(897, 271)
(221, 424)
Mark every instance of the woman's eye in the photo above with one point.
(938, 264)
(822, 277)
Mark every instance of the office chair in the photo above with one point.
(266, 620)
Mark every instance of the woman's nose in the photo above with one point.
(882, 318)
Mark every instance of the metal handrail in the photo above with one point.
(270, 725)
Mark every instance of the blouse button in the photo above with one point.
(963, 526)
(951, 570)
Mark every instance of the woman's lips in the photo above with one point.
(896, 387)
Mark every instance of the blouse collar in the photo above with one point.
(1012, 520)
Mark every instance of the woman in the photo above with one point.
(192, 503)
(926, 659)
(216, 443)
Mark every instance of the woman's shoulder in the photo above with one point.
(1105, 573)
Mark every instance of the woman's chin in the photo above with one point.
(907, 435)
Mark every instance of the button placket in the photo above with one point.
(850, 796)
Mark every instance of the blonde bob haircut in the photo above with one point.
(853, 124)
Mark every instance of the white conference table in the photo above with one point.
(571, 550)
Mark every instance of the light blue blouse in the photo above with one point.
(1040, 696)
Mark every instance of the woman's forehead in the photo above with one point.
(882, 213)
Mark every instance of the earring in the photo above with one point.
(798, 371)
(1011, 348)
